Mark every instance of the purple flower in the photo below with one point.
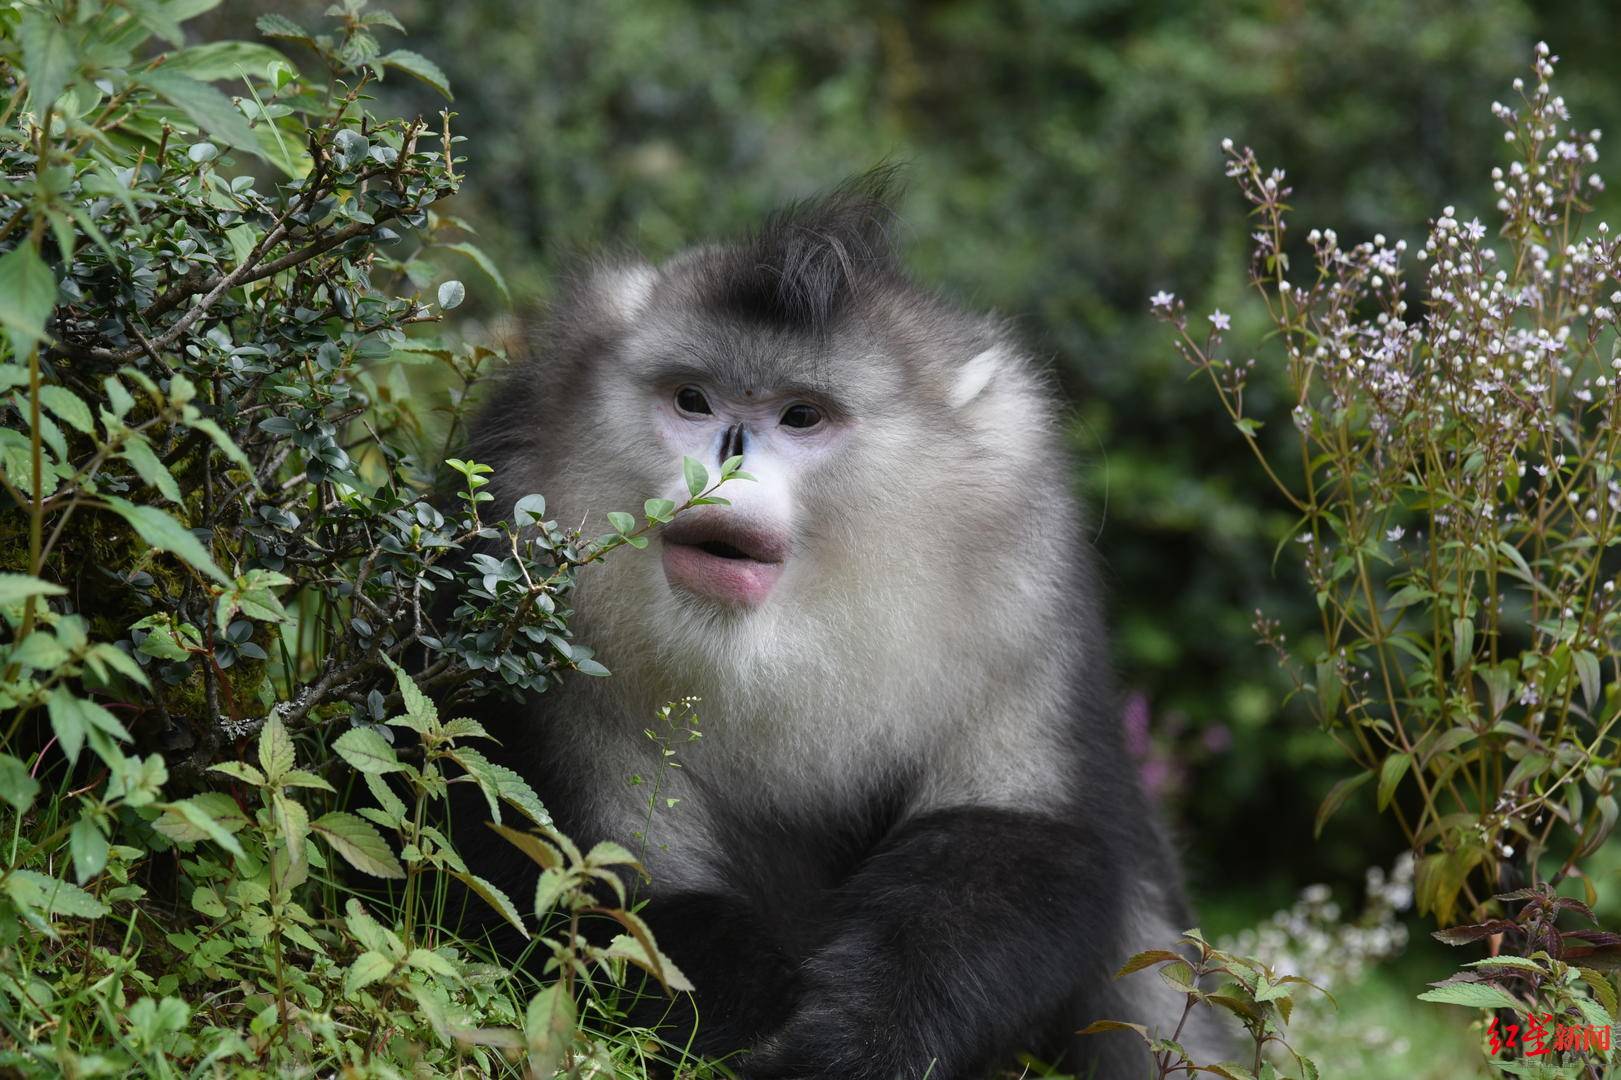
(1220, 320)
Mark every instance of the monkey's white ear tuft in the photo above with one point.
(977, 374)
(627, 289)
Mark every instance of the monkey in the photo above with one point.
(910, 841)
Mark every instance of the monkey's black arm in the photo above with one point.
(960, 940)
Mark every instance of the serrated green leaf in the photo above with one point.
(213, 815)
(138, 452)
(69, 408)
(73, 719)
(34, 891)
(367, 968)
(27, 297)
(367, 751)
(1473, 995)
(548, 1028)
(276, 752)
(497, 899)
(17, 787)
(419, 67)
(166, 534)
(239, 770)
(205, 106)
(279, 26)
(48, 57)
(358, 841)
(543, 852)
(218, 60)
(17, 587)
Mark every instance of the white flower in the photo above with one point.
(1220, 320)
(1395, 534)
(1162, 299)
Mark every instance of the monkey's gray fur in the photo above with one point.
(910, 839)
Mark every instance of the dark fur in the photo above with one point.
(863, 940)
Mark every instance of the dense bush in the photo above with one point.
(219, 545)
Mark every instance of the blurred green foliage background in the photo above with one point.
(1063, 163)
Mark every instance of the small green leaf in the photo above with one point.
(697, 476)
(1336, 798)
(88, 848)
(529, 510)
(451, 294)
(621, 521)
(1390, 773)
(1145, 959)
(283, 28)
(1463, 642)
(1591, 676)
(1406, 596)
(545, 855)
(1099, 1026)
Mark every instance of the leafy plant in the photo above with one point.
(221, 547)
(1454, 467)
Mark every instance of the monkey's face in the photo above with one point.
(713, 393)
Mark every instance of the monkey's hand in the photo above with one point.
(935, 966)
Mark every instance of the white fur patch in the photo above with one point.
(976, 375)
(629, 288)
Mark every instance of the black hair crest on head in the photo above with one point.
(808, 260)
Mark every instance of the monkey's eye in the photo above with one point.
(691, 399)
(801, 416)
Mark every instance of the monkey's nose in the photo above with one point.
(732, 444)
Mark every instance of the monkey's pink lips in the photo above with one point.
(722, 560)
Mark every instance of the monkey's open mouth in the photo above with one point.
(719, 557)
